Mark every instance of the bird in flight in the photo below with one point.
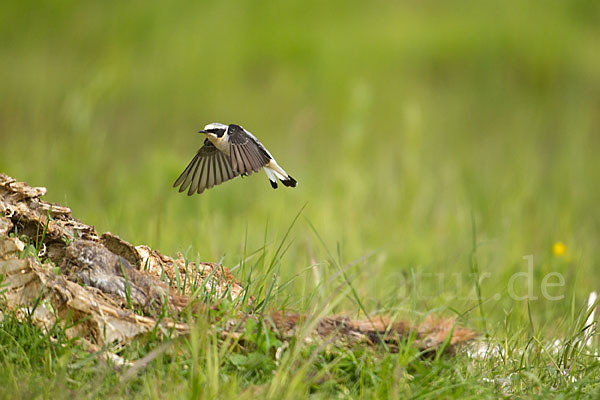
(229, 151)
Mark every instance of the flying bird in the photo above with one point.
(229, 151)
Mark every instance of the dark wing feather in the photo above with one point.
(246, 155)
(208, 168)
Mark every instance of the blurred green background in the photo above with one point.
(402, 122)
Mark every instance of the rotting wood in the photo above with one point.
(102, 277)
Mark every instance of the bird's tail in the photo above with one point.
(274, 172)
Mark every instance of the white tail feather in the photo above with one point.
(270, 174)
(279, 172)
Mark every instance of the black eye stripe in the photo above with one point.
(216, 131)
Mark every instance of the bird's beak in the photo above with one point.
(202, 131)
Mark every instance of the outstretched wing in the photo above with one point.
(208, 168)
(247, 156)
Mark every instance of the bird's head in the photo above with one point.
(214, 130)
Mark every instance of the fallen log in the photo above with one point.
(112, 291)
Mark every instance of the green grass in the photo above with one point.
(436, 144)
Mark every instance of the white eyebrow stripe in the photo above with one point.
(215, 125)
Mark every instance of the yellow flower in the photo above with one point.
(559, 249)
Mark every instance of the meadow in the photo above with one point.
(440, 149)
